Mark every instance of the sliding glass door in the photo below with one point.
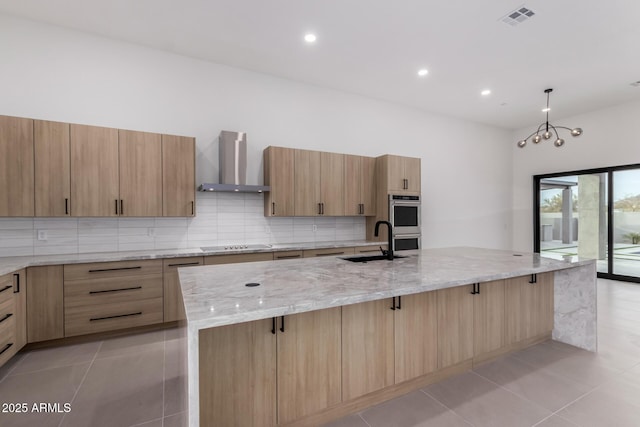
(591, 213)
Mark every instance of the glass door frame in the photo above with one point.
(610, 231)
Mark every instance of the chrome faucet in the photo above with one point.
(389, 251)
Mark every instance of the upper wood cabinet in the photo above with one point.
(52, 169)
(319, 183)
(278, 173)
(140, 163)
(178, 176)
(16, 167)
(359, 186)
(94, 171)
(402, 174)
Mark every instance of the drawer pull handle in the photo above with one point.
(94, 319)
(184, 264)
(6, 317)
(115, 290)
(6, 347)
(332, 253)
(114, 269)
(6, 288)
(287, 256)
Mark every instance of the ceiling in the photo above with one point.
(586, 50)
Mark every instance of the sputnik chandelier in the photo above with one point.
(549, 130)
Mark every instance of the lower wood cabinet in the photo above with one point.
(488, 318)
(277, 256)
(455, 325)
(416, 335)
(13, 316)
(173, 306)
(45, 303)
(529, 307)
(310, 253)
(271, 371)
(235, 258)
(367, 348)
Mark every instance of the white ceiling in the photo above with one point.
(586, 50)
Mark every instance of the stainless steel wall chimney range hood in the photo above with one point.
(233, 165)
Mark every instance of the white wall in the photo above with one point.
(610, 139)
(57, 74)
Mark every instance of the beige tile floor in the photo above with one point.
(136, 381)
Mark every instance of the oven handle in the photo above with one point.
(406, 236)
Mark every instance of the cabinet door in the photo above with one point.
(140, 173)
(238, 375)
(307, 183)
(352, 185)
(278, 173)
(416, 336)
(45, 303)
(529, 307)
(173, 306)
(367, 348)
(489, 317)
(455, 325)
(94, 171)
(395, 173)
(178, 176)
(309, 356)
(16, 166)
(332, 184)
(368, 186)
(412, 174)
(20, 298)
(52, 170)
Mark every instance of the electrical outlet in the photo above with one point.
(315, 228)
(42, 235)
(151, 232)
(267, 229)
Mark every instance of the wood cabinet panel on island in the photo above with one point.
(529, 307)
(52, 168)
(489, 318)
(140, 163)
(279, 175)
(16, 167)
(94, 171)
(178, 176)
(455, 325)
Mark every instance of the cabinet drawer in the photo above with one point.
(171, 265)
(80, 293)
(106, 317)
(287, 255)
(6, 288)
(112, 269)
(7, 346)
(235, 258)
(7, 320)
(328, 252)
(370, 249)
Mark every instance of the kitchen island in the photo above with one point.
(318, 338)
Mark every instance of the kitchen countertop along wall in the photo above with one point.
(11, 264)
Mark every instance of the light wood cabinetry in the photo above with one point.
(455, 325)
(235, 258)
(8, 344)
(402, 174)
(310, 253)
(238, 375)
(359, 186)
(416, 335)
(16, 167)
(279, 174)
(308, 357)
(178, 176)
(94, 171)
(367, 348)
(529, 307)
(332, 184)
(319, 183)
(20, 301)
(173, 306)
(140, 163)
(113, 295)
(370, 249)
(287, 255)
(52, 168)
(489, 318)
(45, 303)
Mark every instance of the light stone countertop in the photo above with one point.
(216, 295)
(11, 264)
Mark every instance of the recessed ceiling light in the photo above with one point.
(544, 110)
(423, 72)
(635, 84)
(485, 92)
(310, 38)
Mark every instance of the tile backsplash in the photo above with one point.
(222, 218)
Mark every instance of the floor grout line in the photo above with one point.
(164, 374)
(362, 418)
(445, 406)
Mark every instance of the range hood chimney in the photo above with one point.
(233, 165)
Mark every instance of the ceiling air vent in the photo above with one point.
(517, 16)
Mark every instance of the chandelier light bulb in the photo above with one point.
(576, 132)
(559, 142)
(522, 143)
(546, 135)
(536, 139)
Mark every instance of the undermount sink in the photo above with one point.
(370, 258)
